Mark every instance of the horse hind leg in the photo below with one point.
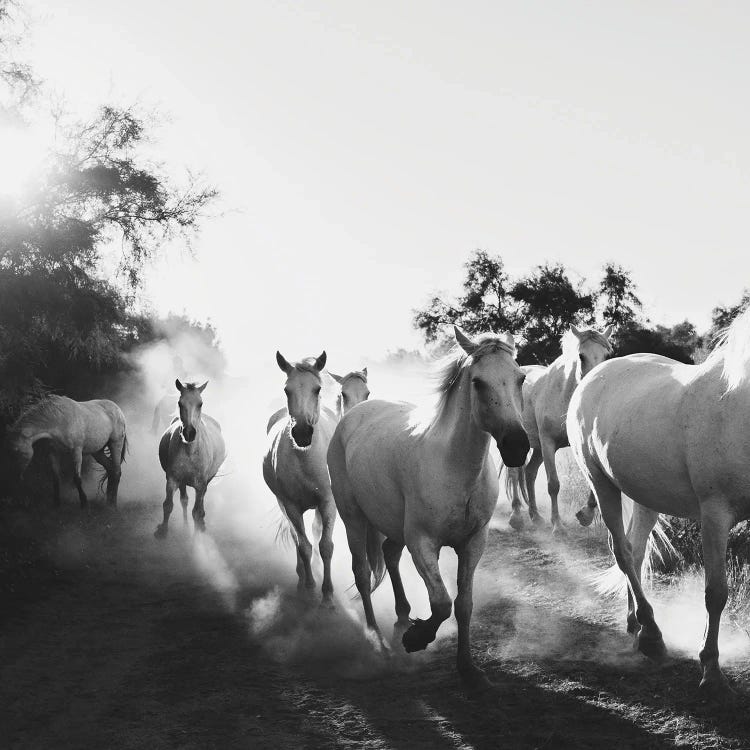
(643, 521)
(115, 470)
(531, 470)
(649, 640)
(392, 555)
(586, 514)
(553, 483)
(716, 521)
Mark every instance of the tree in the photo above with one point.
(64, 323)
(722, 316)
(550, 304)
(485, 304)
(616, 297)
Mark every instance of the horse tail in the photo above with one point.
(124, 448)
(659, 547)
(286, 536)
(155, 422)
(375, 556)
(515, 482)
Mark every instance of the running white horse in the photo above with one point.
(294, 466)
(76, 428)
(354, 390)
(191, 452)
(424, 485)
(546, 395)
(674, 438)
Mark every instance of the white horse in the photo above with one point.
(294, 466)
(429, 485)
(191, 452)
(674, 438)
(354, 390)
(546, 395)
(77, 428)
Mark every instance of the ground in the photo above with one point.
(111, 638)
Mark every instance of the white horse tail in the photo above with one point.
(286, 536)
(375, 555)
(659, 547)
(515, 482)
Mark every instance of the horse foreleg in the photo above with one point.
(328, 518)
(469, 555)
(531, 470)
(77, 462)
(716, 520)
(425, 551)
(553, 482)
(649, 639)
(184, 501)
(392, 555)
(162, 528)
(306, 579)
(199, 512)
(54, 463)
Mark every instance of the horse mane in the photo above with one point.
(733, 347)
(40, 414)
(308, 364)
(447, 372)
(569, 341)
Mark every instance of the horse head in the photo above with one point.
(190, 405)
(302, 389)
(354, 388)
(591, 347)
(496, 398)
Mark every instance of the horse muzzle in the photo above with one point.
(189, 433)
(302, 434)
(514, 448)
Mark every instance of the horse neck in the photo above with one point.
(569, 379)
(466, 444)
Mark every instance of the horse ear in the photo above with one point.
(337, 378)
(364, 372)
(464, 341)
(320, 362)
(180, 387)
(575, 331)
(608, 331)
(202, 388)
(282, 363)
(510, 340)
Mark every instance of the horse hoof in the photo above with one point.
(558, 529)
(161, 531)
(715, 686)
(538, 521)
(475, 682)
(585, 517)
(652, 647)
(417, 637)
(516, 521)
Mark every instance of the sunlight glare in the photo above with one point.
(21, 155)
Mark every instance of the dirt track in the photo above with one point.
(111, 639)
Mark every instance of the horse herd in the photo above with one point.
(672, 437)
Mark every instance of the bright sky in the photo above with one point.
(367, 148)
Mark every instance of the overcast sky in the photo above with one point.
(367, 148)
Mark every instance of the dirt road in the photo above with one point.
(112, 639)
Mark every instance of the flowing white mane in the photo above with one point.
(446, 372)
(734, 347)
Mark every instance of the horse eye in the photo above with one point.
(286, 390)
(316, 391)
(477, 383)
(581, 357)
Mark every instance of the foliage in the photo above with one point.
(67, 320)
(678, 342)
